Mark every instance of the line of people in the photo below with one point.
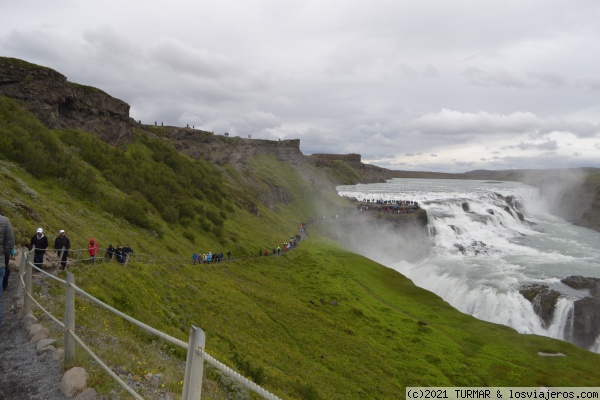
(120, 253)
(62, 246)
(207, 258)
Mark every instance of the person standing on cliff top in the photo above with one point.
(40, 241)
(7, 244)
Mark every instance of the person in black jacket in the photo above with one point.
(119, 254)
(7, 244)
(110, 251)
(41, 244)
(62, 242)
(127, 251)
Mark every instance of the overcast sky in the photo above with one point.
(436, 85)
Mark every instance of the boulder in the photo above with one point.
(581, 282)
(44, 343)
(73, 381)
(87, 394)
(543, 300)
(35, 328)
(47, 349)
(42, 334)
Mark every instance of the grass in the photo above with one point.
(316, 323)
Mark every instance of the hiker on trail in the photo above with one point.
(278, 250)
(194, 258)
(41, 244)
(93, 250)
(128, 251)
(62, 242)
(229, 255)
(7, 244)
(110, 252)
(119, 255)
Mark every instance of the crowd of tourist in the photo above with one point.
(391, 202)
(62, 247)
(210, 257)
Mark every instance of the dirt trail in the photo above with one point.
(23, 374)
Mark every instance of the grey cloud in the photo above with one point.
(547, 145)
(483, 123)
(460, 123)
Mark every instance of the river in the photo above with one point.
(482, 251)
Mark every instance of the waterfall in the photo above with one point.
(489, 239)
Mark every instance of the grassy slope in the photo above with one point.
(318, 322)
(323, 321)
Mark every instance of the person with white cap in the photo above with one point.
(62, 244)
(40, 241)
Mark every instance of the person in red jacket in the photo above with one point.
(93, 250)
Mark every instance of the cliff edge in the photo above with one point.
(60, 104)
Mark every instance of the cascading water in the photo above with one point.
(489, 240)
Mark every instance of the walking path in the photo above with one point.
(23, 374)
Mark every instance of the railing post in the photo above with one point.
(60, 257)
(28, 276)
(22, 264)
(78, 256)
(194, 366)
(70, 318)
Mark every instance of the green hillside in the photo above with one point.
(315, 323)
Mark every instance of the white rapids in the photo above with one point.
(488, 239)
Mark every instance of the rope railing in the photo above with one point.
(132, 320)
(232, 374)
(105, 367)
(196, 352)
(139, 258)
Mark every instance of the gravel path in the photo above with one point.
(23, 374)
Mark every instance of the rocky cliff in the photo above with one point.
(221, 150)
(584, 322)
(60, 104)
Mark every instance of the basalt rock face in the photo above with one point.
(586, 312)
(585, 319)
(221, 150)
(60, 104)
(543, 299)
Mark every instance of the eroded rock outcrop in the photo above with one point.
(586, 311)
(543, 300)
(584, 327)
(60, 104)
